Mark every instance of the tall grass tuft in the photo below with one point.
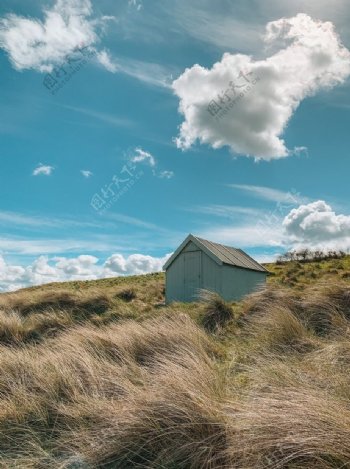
(217, 312)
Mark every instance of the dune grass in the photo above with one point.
(104, 375)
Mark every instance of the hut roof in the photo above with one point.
(219, 253)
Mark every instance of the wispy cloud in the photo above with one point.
(269, 193)
(166, 174)
(246, 235)
(142, 156)
(43, 169)
(24, 220)
(50, 235)
(101, 116)
(136, 4)
(32, 220)
(110, 220)
(86, 173)
(126, 219)
(226, 211)
(105, 59)
(33, 246)
(239, 25)
(150, 73)
(230, 29)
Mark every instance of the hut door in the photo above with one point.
(192, 264)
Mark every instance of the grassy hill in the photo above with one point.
(101, 374)
(299, 274)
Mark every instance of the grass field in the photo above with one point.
(102, 374)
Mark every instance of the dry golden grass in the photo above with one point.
(217, 313)
(132, 383)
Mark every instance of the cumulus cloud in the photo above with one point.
(291, 225)
(43, 169)
(39, 45)
(84, 267)
(317, 225)
(134, 264)
(81, 266)
(245, 104)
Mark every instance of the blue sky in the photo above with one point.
(107, 173)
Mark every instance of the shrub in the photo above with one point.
(128, 294)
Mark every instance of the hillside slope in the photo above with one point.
(299, 274)
(102, 374)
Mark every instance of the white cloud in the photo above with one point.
(219, 24)
(105, 59)
(150, 73)
(104, 117)
(86, 173)
(9, 273)
(43, 169)
(166, 174)
(134, 264)
(143, 156)
(136, 222)
(269, 193)
(266, 258)
(136, 4)
(258, 233)
(69, 25)
(227, 211)
(314, 225)
(308, 57)
(39, 45)
(317, 225)
(84, 267)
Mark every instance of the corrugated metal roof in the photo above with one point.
(231, 256)
(220, 253)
